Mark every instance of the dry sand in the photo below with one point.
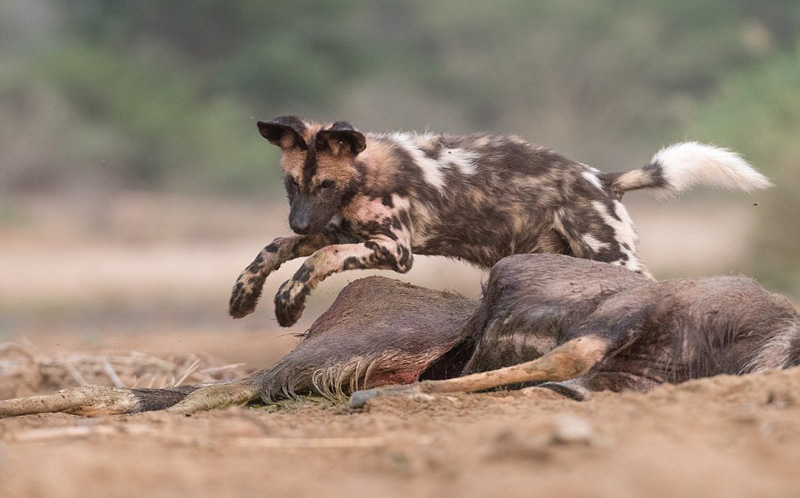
(726, 436)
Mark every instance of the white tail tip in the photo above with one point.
(690, 163)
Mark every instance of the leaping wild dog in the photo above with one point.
(361, 201)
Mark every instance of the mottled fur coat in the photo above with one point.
(375, 200)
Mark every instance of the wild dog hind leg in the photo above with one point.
(601, 230)
(380, 253)
(247, 288)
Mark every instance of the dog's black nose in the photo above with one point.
(300, 228)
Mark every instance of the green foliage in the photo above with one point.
(136, 121)
(165, 94)
(759, 110)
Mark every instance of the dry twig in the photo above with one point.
(25, 369)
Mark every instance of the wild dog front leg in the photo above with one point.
(382, 253)
(247, 288)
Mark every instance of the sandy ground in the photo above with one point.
(152, 274)
(725, 436)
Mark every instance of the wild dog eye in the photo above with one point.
(327, 184)
(292, 182)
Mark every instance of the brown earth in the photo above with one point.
(724, 436)
(152, 274)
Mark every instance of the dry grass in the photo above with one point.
(26, 370)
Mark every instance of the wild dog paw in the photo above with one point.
(290, 301)
(245, 294)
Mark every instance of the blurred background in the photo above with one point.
(134, 186)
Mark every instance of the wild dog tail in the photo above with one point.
(679, 167)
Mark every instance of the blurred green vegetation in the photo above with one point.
(758, 110)
(108, 94)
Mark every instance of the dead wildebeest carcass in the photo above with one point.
(564, 323)
(577, 326)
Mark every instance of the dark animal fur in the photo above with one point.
(649, 332)
(375, 200)
(341, 352)
(654, 332)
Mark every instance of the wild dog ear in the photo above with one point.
(286, 132)
(341, 138)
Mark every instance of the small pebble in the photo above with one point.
(568, 429)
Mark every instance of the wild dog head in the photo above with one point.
(319, 168)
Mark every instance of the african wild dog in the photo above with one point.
(375, 200)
